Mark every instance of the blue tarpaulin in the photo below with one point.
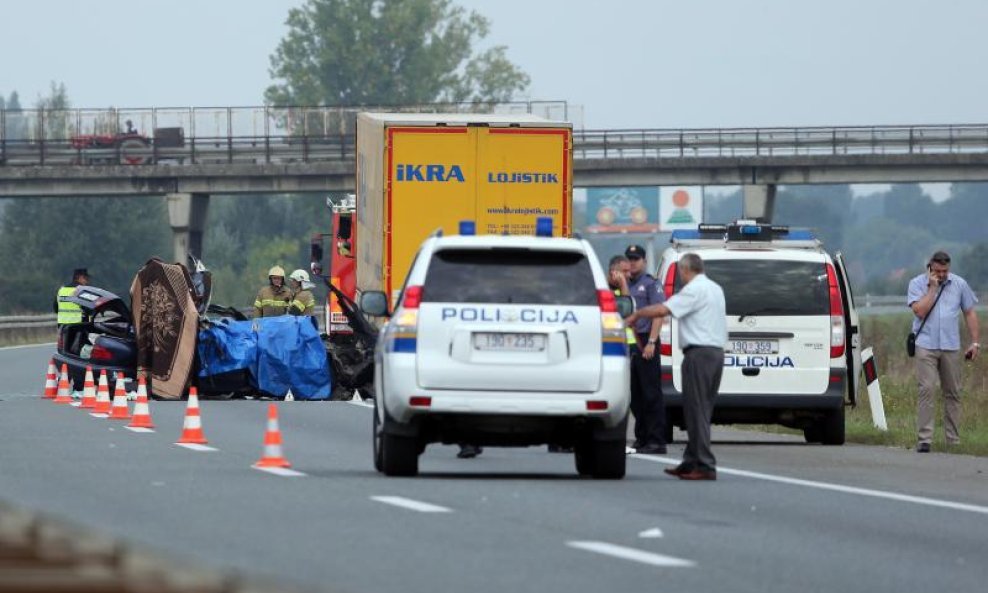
(281, 353)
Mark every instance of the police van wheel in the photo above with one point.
(832, 427)
(399, 455)
(609, 460)
(813, 433)
(667, 431)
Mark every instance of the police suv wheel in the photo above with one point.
(378, 463)
(583, 454)
(399, 455)
(609, 460)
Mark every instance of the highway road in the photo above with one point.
(782, 516)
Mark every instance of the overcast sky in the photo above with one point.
(628, 63)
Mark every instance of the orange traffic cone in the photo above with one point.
(119, 411)
(88, 390)
(64, 395)
(142, 412)
(51, 381)
(273, 457)
(102, 395)
(192, 426)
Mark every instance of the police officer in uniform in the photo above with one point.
(303, 301)
(70, 313)
(275, 298)
(646, 387)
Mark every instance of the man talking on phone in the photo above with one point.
(937, 298)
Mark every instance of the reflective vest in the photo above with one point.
(68, 313)
(304, 303)
(271, 302)
(629, 334)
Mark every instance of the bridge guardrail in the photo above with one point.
(257, 135)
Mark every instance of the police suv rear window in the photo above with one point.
(771, 287)
(509, 275)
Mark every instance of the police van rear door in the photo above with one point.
(853, 351)
(509, 319)
(778, 321)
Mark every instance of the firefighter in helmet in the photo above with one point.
(303, 301)
(275, 298)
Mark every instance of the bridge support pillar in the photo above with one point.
(759, 202)
(187, 216)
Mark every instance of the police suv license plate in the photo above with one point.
(508, 342)
(754, 347)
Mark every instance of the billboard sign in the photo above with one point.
(622, 209)
(680, 207)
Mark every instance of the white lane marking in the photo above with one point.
(195, 447)
(361, 404)
(280, 471)
(99, 415)
(632, 554)
(414, 505)
(27, 346)
(138, 429)
(923, 500)
(652, 533)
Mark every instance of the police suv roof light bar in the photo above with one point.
(468, 227)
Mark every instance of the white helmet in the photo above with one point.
(300, 276)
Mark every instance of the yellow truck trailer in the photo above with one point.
(417, 173)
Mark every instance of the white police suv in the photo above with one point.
(502, 341)
(793, 353)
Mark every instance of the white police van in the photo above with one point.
(793, 354)
(502, 341)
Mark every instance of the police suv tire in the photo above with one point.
(583, 455)
(399, 455)
(609, 460)
(832, 427)
(667, 430)
(378, 457)
(813, 433)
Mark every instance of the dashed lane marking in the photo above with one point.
(413, 505)
(641, 556)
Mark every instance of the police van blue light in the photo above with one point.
(543, 226)
(468, 227)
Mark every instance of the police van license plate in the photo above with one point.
(505, 342)
(753, 347)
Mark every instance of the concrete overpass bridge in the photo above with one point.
(190, 154)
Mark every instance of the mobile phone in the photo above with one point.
(969, 354)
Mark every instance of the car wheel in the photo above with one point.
(378, 463)
(609, 460)
(813, 434)
(832, 427)
(583, 454)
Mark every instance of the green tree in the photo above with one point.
(973, 266)
(388, 52)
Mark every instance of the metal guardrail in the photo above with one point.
(258, 135)
(207, 135)
(16, 322)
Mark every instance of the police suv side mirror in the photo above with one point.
(374, 303)
(625, 305)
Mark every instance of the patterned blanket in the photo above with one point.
(166, 321)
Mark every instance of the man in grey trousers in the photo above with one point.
(700, 311)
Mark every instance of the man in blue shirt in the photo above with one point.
(646, 370)
(937, 298)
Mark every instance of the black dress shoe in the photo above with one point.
(637, 444)
(651, 450)
(923, 448)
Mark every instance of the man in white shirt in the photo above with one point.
(700, 311)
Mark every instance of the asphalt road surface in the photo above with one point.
(782, 516)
